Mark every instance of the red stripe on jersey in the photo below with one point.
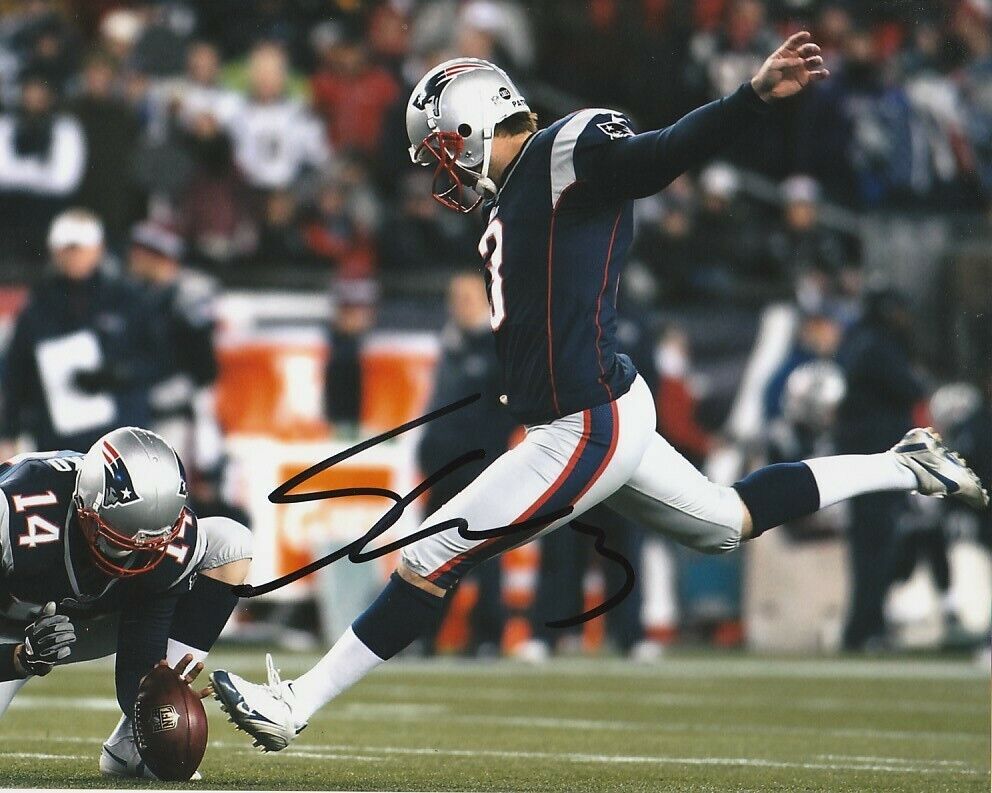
(609, 454)
(599, 305)
(532, 510)
(551, 355)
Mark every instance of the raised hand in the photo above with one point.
(789, 69)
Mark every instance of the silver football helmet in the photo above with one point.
(450, 120)
(131, 500)
(813, 392)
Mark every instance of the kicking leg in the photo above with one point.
(670, 496)
(920, 461)
(575, 461)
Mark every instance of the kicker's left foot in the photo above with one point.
(939, 471)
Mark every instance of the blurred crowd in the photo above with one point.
(272, 131)
(153, 152)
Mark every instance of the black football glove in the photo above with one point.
(47, 640)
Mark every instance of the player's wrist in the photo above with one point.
(10, 666)
(18, 663)
(756, 87)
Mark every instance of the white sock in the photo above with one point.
(347, 662)
(847, 475)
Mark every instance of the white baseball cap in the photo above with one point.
(75, 227)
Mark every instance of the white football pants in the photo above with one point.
(609, 454)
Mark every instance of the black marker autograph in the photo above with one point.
(356, 551)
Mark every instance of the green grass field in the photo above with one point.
(688, 723)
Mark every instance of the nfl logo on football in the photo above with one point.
(164, 718)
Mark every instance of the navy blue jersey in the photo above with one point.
(44, 557)
(558, 234)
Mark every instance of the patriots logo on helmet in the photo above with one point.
(434, 86)
(118, 488)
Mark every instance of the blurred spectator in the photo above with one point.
(389, 36)
(875, 115)
(111, 130)
(280, 235)
(160, 47)
(275, 136)
(119, 32)
(199, 91)
(567, 558)
(495, 30)
(676, 400)
(334, 236)
(353, 318)
(215, 206)
(726, 244)
(725, 59)
(468, 366)
(971, 23)
(42, 160)
(182, 300)
(818, 338)
(663, 243)
(83, 354)
(804, 429)
(807, 412)
(47, 46)
(833, 25)
(422, 236)
(801, 247)
(882, 389)
(350, 92)
(584, 50)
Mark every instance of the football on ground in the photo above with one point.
(170, 725)
(693, 723)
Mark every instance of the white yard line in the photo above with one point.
(863, 758)
(340, 752)
(854, 702)
(909, 766)
(412, 713)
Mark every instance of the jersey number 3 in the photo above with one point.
(491, 251)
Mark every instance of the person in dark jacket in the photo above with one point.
(111, 129)
(468, 366)
(882, 389)
(354, 316)
(183, 300)
(83, 353)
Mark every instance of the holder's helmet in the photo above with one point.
(130, 500)
(450, 120)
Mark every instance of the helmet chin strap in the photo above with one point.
(484, 185)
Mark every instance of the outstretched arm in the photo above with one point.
(634, 166)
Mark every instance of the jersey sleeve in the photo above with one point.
(600, 147)
(579, 146)
(142, 640)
